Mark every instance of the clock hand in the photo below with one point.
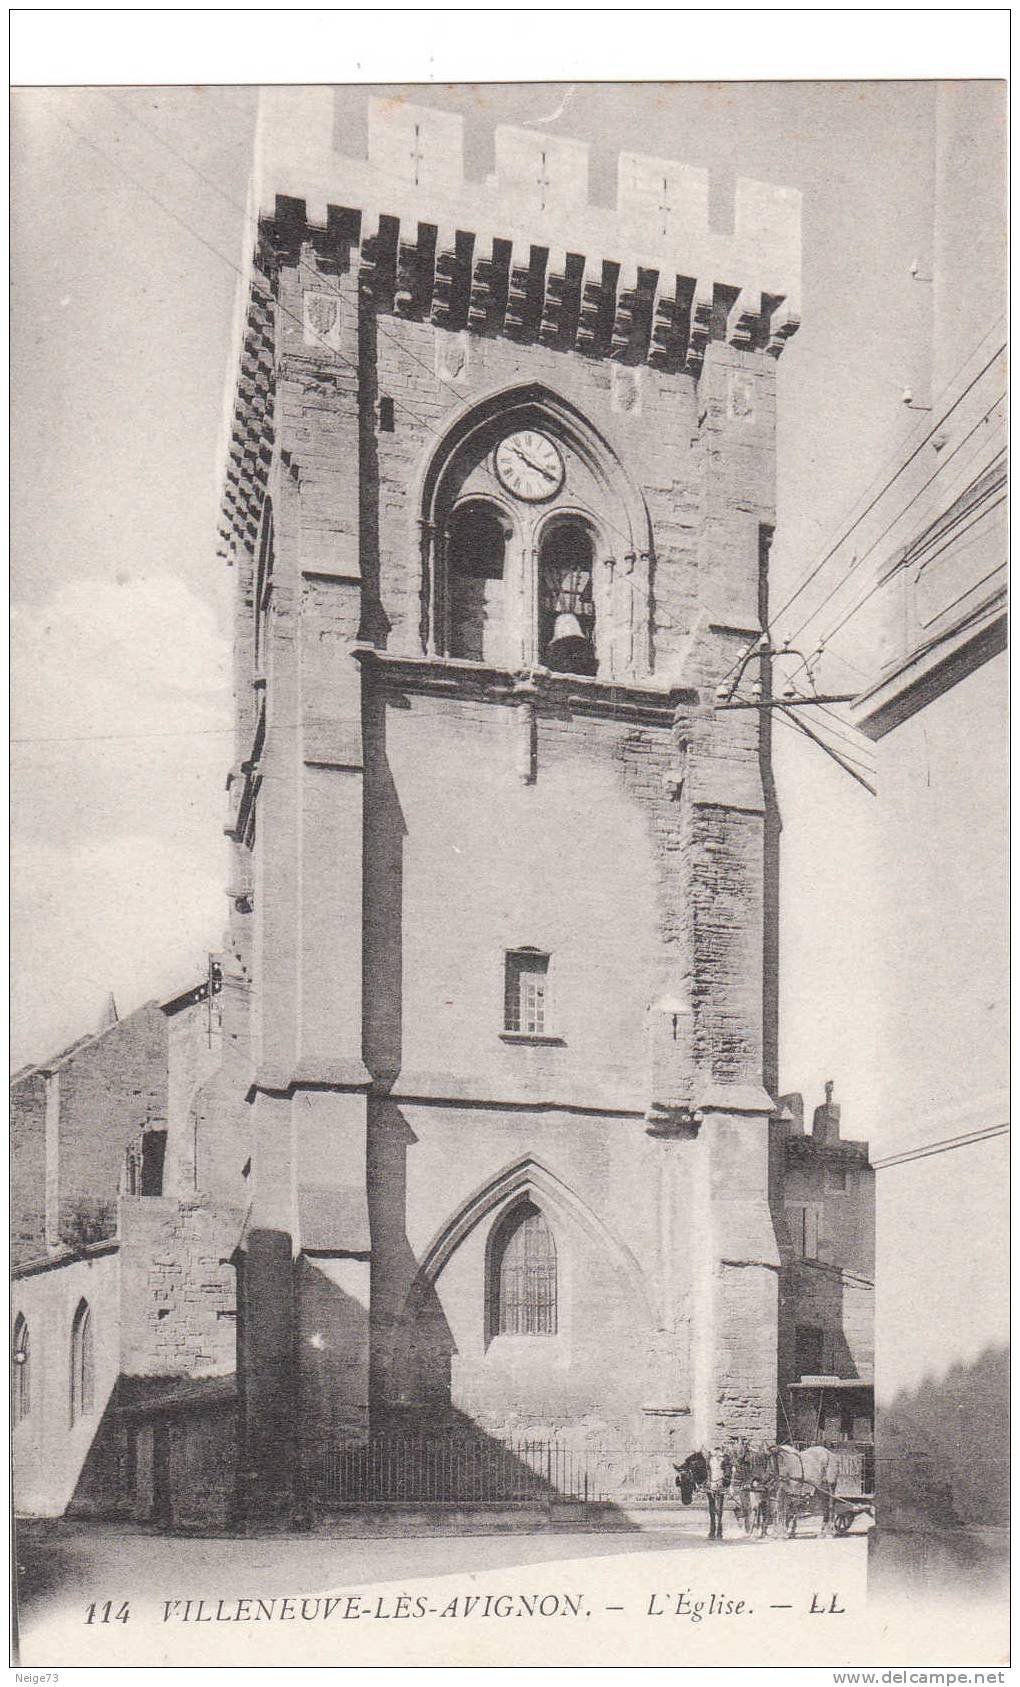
(532, 464)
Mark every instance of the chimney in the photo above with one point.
(791, 1113)
(826, 1121)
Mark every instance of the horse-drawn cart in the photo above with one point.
(776, 1487)
(845, 1511)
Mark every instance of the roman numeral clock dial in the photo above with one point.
(529, 465)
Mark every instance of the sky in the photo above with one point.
(127, 227)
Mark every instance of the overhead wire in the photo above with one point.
(216, 253)
(848, 530)
(434, 375)
(402, 346)
(954, 536)
(860, 743)
(796, 726)
(822, 728)
(904, 465)
(385, 333)
(858, 561)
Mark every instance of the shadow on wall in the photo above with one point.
(99, 1490)
(389, 1137)
(333, 1358)
(165, 1451)
(435, 1454)
(375, 624)
(942, 1450)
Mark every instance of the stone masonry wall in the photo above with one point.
(403, 838)
(109, 1090)
(179, 1293)
(28, 1168)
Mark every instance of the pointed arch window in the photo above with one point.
(566, 627)
(522, 1275)
(476, 556)
(82, 1363)
(21, 1369)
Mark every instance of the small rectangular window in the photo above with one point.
(526, 995)
(803, 1222)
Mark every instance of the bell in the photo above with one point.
(566, 626)
(569, 651)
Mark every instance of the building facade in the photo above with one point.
(936, 710)
(123, 1351)
(499, 489)
(825, 1222)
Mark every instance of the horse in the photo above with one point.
(692, 1474)
(753, 1486)
(802, 1475)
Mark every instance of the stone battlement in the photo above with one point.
(538, 194)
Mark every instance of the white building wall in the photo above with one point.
(51, 1454)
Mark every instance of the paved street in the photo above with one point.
(99, 1593)
(77, 1562)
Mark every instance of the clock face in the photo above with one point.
(529, 464)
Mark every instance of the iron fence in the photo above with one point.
(462, 1469)
(455, 1469)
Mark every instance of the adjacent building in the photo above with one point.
(934, 640)
(490, 1144)
(124, 1295)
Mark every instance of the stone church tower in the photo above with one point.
(499, 991)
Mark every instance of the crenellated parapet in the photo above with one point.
(522, 255)
(525, 252)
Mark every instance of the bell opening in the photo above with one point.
(568, 609)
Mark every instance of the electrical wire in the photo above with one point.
(401, 344)
(898, 517)
(216, 253)
(795, 726)
(861, 744)
(821, 729)
(954, 536)
(933, 429)
(406, 350)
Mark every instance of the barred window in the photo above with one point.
(522, 1281)
(526, 994)
(21, 1367)
(82, 1379)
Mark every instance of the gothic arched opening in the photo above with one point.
(475, 556)
(522, 1298)
(566, 609)
(82, 1363)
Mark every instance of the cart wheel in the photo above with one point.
(842, 1521)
